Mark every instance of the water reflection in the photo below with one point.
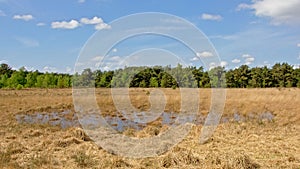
(68, 119)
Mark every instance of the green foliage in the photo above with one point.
(5, 70)
(19, 79)
(19, 87)
(280, 75)
(153, 82)
(217, 76)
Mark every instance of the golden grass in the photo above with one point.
(250, 144)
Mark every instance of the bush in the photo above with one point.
(19, 87)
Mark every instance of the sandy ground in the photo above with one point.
(252, 143)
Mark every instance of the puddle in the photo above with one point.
(68, 119)
(61, 119)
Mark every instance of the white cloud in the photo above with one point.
(115, 58)
(29, 68)
(3, 61)
(248, 63)
(243, 6)
(98, 22)
(115, 50)
(246, 56)
(102, 26)
(250, 59)
(49, 69)
(206, 16)
(23, 17)
(97, 58)
(94, 20)
(225, 37)
(106, 68)
(195, 59)
(28, 42)
(65, 25)
(298, 45)
(266, 63)
(72, 24)
(69, 69)
(223, 63)
(81, 1)
(296, 66)
(2, 13)
(204, 54)
(236, 61)
(212, 65)
(279, 11)
(40, 24)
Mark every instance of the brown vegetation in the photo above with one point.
(246, 144)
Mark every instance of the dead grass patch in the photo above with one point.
(250, 144)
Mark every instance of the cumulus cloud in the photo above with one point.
(246, 56)
(266, 63)
(243, 6)
(72, 24)
(49, 69)
(279, 11)
(94, 20)
(98, 22)
(248, 59)
(236, 61)
(213, 64)
(29, 68)
(204, 54)
(97, 58)
(65, 24)
(3, 61)
(102, 26)
(212, 17)
(296, 66)
(69, 70)
(247, 63)
(195, 59)
(23, 17)
(114, 58)
(223, 63)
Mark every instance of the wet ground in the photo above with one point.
(119, 123)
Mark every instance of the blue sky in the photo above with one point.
(48, 35)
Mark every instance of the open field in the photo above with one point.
(237, 143)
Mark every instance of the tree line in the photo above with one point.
(18, 79)
(279, 75)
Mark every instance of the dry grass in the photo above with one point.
(250, 144)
